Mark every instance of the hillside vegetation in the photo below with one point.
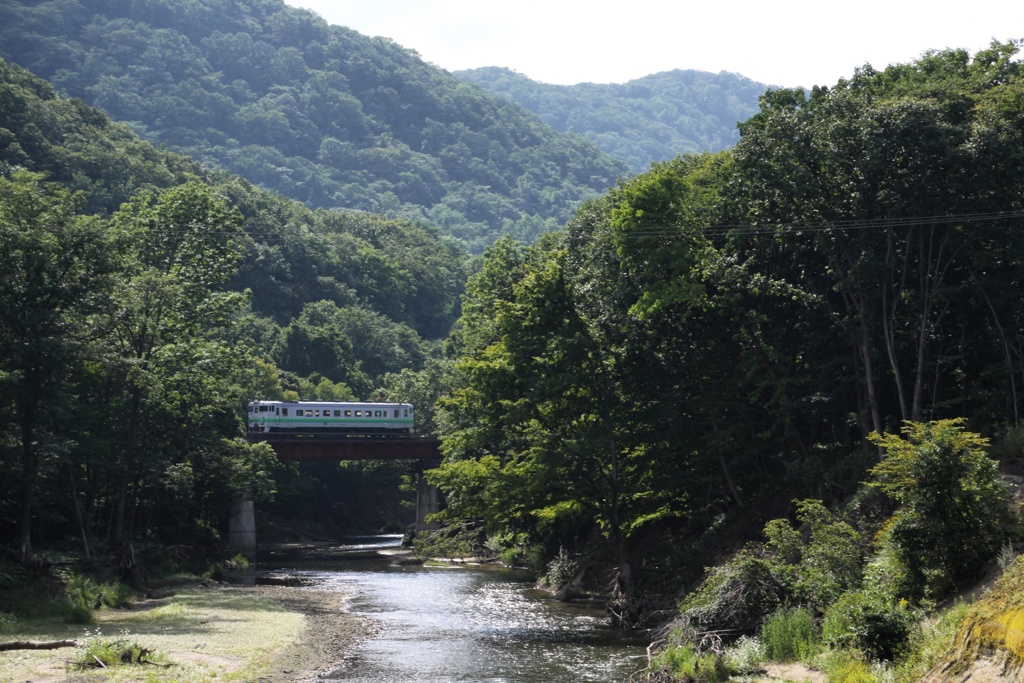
(315, 112)
(653, 118)
(146, 300)
(758, 333)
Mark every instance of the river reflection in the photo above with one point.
(462, 624)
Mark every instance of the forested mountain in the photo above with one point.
(835, 300)
(653, 118)
(146, 300)
(318, 113)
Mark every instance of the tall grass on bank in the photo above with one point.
(790, 635)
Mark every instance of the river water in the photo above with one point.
(464, 623)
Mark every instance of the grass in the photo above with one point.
(790, 635)
(206, 634)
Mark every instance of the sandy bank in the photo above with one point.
(270, 634)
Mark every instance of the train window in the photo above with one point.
(348, 413)
(284, 411)
(376, 413)
(405, 413)
(359, 413)
(337, 413)
(316, 413)
(396, 412)
(309, 413)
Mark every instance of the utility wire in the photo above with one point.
(824, 226)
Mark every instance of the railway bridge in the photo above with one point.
(422, 452)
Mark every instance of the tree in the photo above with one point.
(181, 246)
(954, 510)
(54, 264)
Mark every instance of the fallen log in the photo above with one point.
(37, 645)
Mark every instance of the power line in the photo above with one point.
(825, 226)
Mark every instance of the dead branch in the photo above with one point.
(37, 645)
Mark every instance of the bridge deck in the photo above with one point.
(350, 447)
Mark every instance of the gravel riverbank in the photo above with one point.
(269, 634)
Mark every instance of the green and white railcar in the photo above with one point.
(299, 417)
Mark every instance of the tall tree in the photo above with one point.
(54, 265)
(181, 246)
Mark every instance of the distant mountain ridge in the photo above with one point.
(316, 112)
(647, 119)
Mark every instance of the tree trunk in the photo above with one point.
(73, 490)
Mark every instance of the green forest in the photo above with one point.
(317, 113)
(765, 401)
(654, 118)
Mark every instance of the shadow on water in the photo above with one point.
(455, 623)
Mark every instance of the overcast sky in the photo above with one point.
(785, 42)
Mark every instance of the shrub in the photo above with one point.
(789, 635)
(237, 563)
(561, 570)
(870, 624)
(745, 655)
(100, 652)
(736, 596)
(843, 666)
(928, 646)
(954, 510)
(686, 664)
(824, 565)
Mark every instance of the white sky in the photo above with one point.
(786, 42)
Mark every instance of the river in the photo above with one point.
(463, 623)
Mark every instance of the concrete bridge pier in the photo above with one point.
(242, 528)
(428, 502)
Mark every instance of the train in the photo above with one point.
(330, 417)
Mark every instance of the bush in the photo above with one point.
(821, 560)
(561, 570)
(843, 666)
(686, 664)
(790, 635)
(736, 596)
(100, 652)
(954, 511)
(745, 655)
(85, 595)
(876, 627)
(927, 647)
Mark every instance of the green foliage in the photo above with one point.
(822, 566)
(648, 119)
(736, 596)
(745, 655)
(321, 114)
(844, 666)
(954, 510)
(561, 570)
(929, 645)
(448, 543)
(105, 652)
(85, 595)
(687, 664)
(868, 623)
(237, 562)
(790, 634)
